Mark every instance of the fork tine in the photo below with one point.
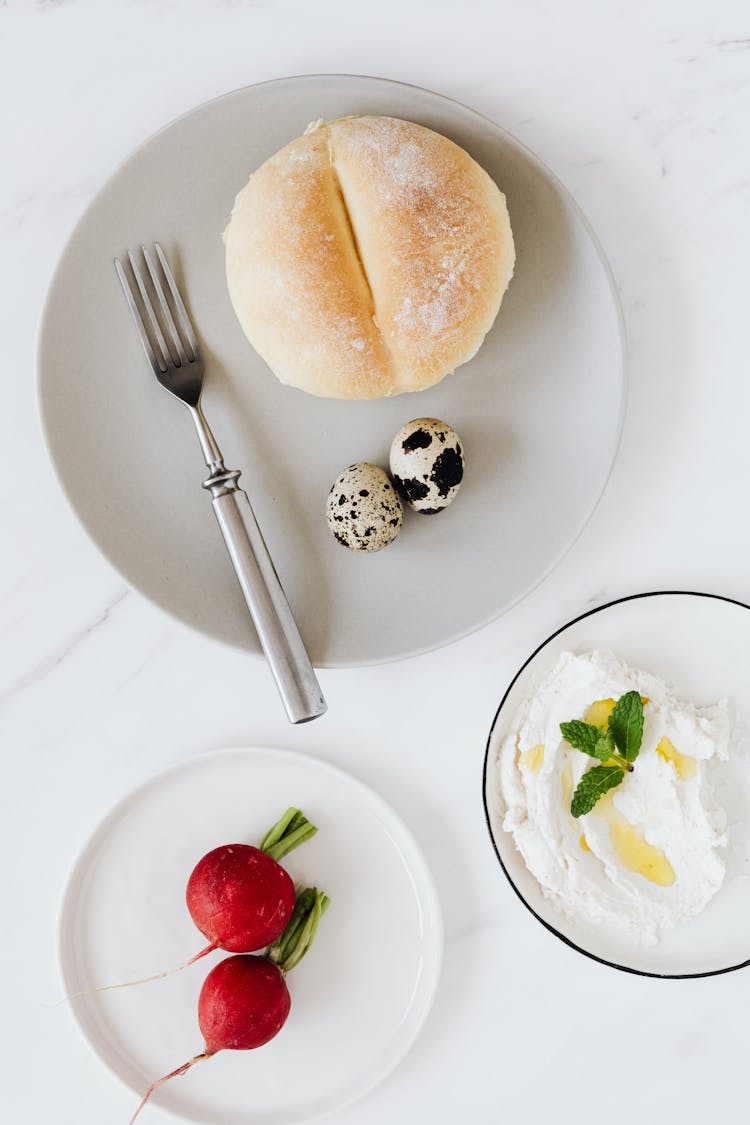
(148, 306)
(185, 322)
(158, 364)
(181, 357)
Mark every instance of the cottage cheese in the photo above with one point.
(647, 856)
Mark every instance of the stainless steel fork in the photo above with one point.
(171, 347)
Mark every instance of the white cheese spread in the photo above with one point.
(646, 857)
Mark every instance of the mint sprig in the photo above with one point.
(593, 741)
(617, 748)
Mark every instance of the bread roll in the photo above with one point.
(368, 258)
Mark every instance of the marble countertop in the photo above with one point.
(643, 112)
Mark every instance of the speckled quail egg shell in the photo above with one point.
(427, 464)
(363, 511)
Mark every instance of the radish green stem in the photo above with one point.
(288, 950)
(287, 833)
(274, 835)
(290, 935)
(291, 841)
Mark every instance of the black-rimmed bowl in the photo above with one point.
(700, 643)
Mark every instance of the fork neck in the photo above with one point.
(211, 452)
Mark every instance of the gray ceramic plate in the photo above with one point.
(127, 455)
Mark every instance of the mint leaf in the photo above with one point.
(589, 739)
(626, 725)
(593, 785)
(581, 736)
(605, 747)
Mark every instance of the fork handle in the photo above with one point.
(277, 631)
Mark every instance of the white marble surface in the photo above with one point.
(643, 112)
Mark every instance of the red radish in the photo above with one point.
(244, 1001)
(240, 898)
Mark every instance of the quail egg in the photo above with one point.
(363, 511)
(427, 464)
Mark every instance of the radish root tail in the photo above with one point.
(172, 1074)
(132, 983)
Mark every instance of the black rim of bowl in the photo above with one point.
(548, 925)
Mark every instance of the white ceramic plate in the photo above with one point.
(701, 644)
(358, 999)
(128, 458)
